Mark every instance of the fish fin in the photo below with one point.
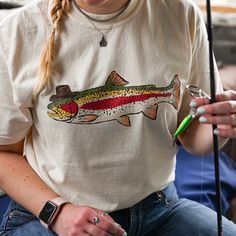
(124, 120)
(175, 85)
(151, 111)
(87, 118)
(115, 79)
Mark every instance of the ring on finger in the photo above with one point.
(104, 214)
(96, 220)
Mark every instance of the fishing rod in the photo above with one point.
(197, 92)
(215, 138)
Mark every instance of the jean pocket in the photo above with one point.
(15, 216)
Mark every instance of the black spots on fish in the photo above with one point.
(108, 113)
(105, 94)
(130, 92)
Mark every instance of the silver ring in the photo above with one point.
(96, 220)
(104, 214)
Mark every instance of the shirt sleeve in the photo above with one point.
(15, 120)
(199, 74)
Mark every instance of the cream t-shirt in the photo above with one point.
(102, 134)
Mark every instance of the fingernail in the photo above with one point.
(193, 104)
(117, 224)
(124, 234)
(201, 110)
(202, 119)
(216, 131)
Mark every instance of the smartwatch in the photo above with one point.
(50, 211)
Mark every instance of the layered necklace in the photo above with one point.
(103, 42)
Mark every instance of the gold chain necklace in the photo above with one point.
(103, 42)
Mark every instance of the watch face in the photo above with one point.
(48, 212)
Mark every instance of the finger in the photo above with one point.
(105, 214)
(220, 119)
(76, 232)
(109, 227)
(84, 234)
(93, 230)
(107, 217)
(226, 103)
(226, 96)
(226, 133)
(221, 97)
(218, 108)
(195, 103)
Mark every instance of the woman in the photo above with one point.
(92, 132)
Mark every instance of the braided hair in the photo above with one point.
(60, 9)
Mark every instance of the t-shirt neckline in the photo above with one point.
(131, 10)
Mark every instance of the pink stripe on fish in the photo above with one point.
(119, 101)
(71, 107)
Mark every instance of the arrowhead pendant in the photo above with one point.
(103, 42)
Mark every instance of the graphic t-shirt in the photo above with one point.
(101, 135)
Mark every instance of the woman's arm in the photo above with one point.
(20, 182)
(198, 137)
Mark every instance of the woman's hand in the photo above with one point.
(222, 113)
(83, 221)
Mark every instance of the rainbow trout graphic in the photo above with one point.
(113, 101)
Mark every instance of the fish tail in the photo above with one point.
(175, 86)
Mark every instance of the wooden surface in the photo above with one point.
(219, 9)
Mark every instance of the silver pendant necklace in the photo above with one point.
(103, 42)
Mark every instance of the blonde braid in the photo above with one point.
(60, 9)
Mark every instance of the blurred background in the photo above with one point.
(224, 21)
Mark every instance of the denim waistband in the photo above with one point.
(155, 196)
(159, 195)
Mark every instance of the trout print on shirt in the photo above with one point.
(113, 101)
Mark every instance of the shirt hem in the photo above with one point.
(10, 140)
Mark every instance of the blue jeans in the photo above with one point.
(4, 202)
(161, 213)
